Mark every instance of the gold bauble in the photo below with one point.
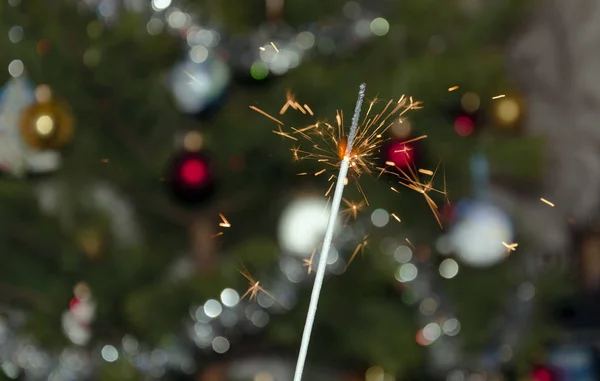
(508, 111)
(47, 125)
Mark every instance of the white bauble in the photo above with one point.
(302, 225)
(477, 237)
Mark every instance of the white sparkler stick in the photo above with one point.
(335, 207)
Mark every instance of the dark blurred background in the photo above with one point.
(139, 187)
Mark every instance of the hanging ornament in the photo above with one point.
(200, 82)
(47, 124)
(16, 157)
(77, 320)
(481, 228)
(402, 155)
(190, 175)
(466, 115)
(302, 225)
(508, 112)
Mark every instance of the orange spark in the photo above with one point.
(546, 202)
(396, 217)
(360, 247)
(309, 262)
(410, 243)
(274, 47)
(499, 96)
(510, 246)
(453, 88)
(254, 288)
(267, 115)
(353, 208)
(426, 172)
(225, 223)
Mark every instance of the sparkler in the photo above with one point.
(329, 141)
(335, 206)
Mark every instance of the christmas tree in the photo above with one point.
(123, 248)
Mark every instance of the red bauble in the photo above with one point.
(543, 374)
(190, 177)
(401, 154)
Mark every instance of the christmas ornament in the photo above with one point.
(481, 227)
(200, 82)
(302, 225)
(508, 111)
(403, 155)
(16, 157)
(190, 177)
(477, 237)
(466, 116)
(46, 124)
(77, 320)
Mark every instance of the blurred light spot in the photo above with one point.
(470, 102)
(444, 244)
(463, 126)
(420, 338)
(10, 369)
(198, 54)
(16, 68)
(448, 268)
(380, 218)
(508, 111)
(432, 332)
(402, 128)
(428, 306)
(91, 57)
(14, 3)
(456, 375)
(130, 344)
(201, 316)
(177, 19)
(220, 344)
(212, 308)
(110, 353)
(259, 70)
(159, 357)
(154, 26)
(374, 373)
(230, 297)
(451, 327)
(403, 254)
(526, 291)
(15, 34)
(259, 318)
(362, 28)
(387, 245)
(406, 272)
(263, 376)
(203, 329)
(333, 257)
(380, 26)
(264, 300)
(506, 353)
(352, 10)
(94, 29)
(159, 5)
(306, 40)
(228, 318)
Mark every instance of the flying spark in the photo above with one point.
(510, 246)
(225, 223)
(499, 96)
(309, 262)
(396, 217)
(409, 178)
(453, 88)
(274, 47)
(359, 248)
(255, 287)
(325, 142)
(353, 208)
(546, 202)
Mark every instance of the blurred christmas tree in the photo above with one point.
(116, 237)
